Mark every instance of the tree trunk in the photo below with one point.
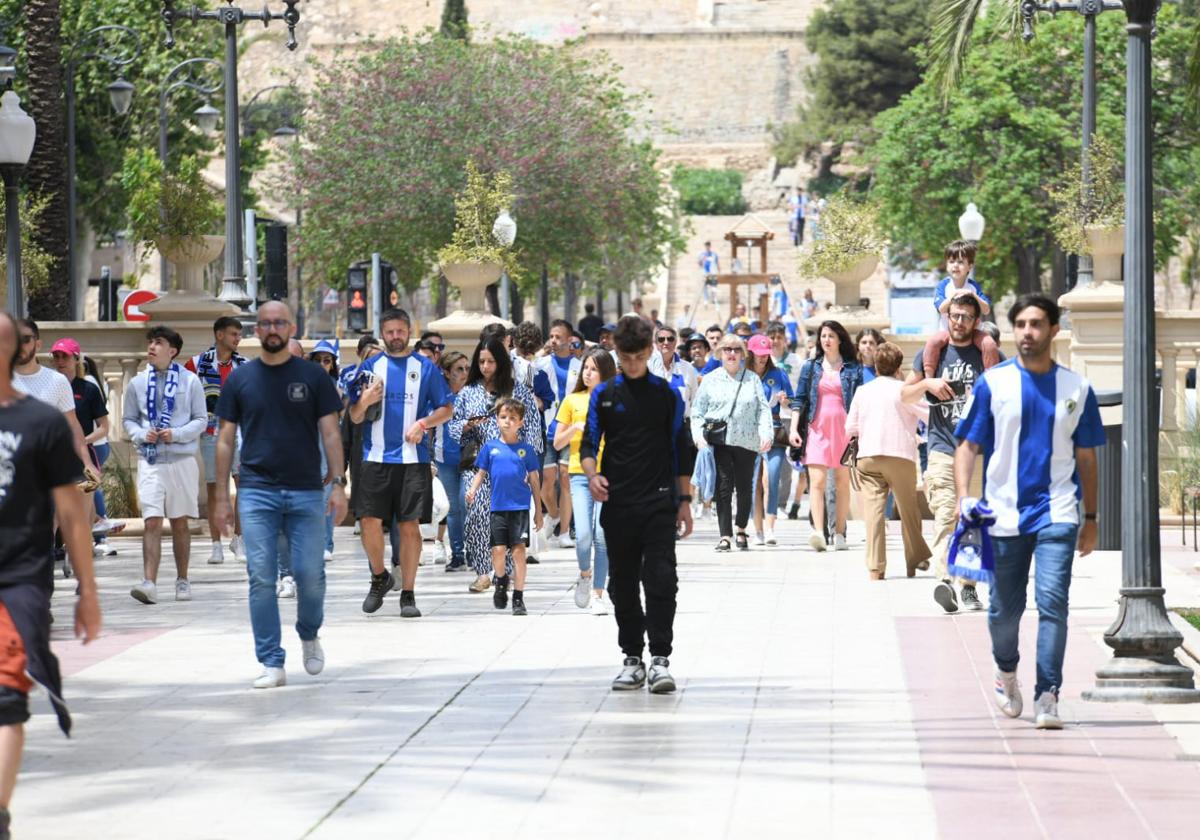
(493, 298)
(47, 172)
(516, 304)
(570, 296)
(1029, 269)
(1058, 273)
(443, 296)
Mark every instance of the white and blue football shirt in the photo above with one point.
(413, 388)
(1028, 426)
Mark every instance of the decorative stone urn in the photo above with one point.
(460, 329)
(1107, 245)
(188, 307)
(190, 255)
(1097, 316)
(846, 308)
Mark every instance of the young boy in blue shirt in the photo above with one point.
(515, 472)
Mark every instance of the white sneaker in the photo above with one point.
(328, 556)
(183, 590)
(357, 528)
(109, 550)
(440, 553)
(98, 549)
(102, 526)
(146, 592)
(839, 542)
(238, 546)
(760, 538)
(1046, 707)
(599, 603)
(218, 555)
(583, 591)
(314, 656)
(771, 537)
(286, 588)
(565, 541)
(548, 528)
(817, 540)
(1008, 694)
(271, 678)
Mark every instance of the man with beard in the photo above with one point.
(407, 397)
(287, 409)
(163, 416)
(48, 386)
(1038, 426)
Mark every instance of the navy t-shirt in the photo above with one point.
(278, 407)
(508, 465)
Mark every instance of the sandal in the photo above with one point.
(743, 541)
(723, 544)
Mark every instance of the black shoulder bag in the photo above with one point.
(715, 430)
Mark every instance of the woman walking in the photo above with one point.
(866, 343)
(473, 424)
(590, 549)
(325, 354)
(827, 385)
(730, 413)
(776, 390)
(886, 429)
(446, 456)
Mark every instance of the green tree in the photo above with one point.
(709, 192)
(866, 61)
(454, 19)
(390, 132)
(1007, 131)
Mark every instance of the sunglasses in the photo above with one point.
(436, 348)
(665, 339)
(575, 345)
(737, 351)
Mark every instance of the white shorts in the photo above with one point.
(169, 488)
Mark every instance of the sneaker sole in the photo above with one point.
(143, 597)
(410, 612)
(664, 686)
(817, 542)
(212, 561)
(310, 671)
(1056, 723)
(628, 686)
(944, 595)
(521, 611)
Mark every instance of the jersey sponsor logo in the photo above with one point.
(297, 391)
(9, 444)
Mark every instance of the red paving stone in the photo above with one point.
(1113, 772)
(73, 655)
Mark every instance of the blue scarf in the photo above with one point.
(209, 371)
(970, 555)
(159, 421)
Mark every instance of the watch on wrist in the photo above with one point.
(339, 481)
(685, 497)
(1090, 517)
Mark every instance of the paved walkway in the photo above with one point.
(812, 703)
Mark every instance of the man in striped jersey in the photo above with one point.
(1038, 426)
(406, 398)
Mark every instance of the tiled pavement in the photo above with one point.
(812, 703)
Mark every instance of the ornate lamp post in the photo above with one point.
(17, 133)
(117, 46)
(505, 231)
(234, 287)
(971, 223)
(206, 116)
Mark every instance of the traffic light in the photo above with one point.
(276, 262)
(356, 298)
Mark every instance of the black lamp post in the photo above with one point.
(234, 286)
(17, 134)
(206, 115)
(117, 46)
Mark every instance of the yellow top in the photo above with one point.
(574, 409)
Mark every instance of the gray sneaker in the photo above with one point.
(632, 676)
(1046, 706)
(313, 655)
(970, 599)
(661, 681)
(943, 593)
(583, 592)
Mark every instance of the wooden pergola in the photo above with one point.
(750, 234)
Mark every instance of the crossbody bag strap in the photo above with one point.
(736, 393)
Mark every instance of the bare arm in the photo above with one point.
(68, 504)
(358, 410)
(1086, 464)
(331, 439)
(964, 466)
(476, 483)
(101, 430)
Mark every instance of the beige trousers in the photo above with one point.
(943, 501)
(878, 476)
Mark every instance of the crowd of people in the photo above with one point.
(609, 447)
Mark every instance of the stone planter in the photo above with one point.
(190, 255)
(460, 329)
(846, 308)
(848, 283)
(188, 307)
(1107, 245)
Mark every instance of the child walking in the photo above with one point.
(515, 473)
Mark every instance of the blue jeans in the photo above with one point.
(103, 450)
(588, 533)
(328, 517)
(1054, 548)
(776, 458)
(451, 480)
(298, 515)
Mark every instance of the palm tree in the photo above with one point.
(46, 174)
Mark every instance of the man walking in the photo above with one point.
(287, 409)
(647, 468)
(164, 416)
(1038, 426)
(47, 386)
(958, 370)
(561, 367)
(396, 478)
(38, 483)
(213, 367)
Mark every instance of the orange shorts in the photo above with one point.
(12, 655)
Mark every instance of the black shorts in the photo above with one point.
(510, 528)
(400, 491)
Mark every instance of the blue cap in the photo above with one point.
(323, 346)
(609, 328)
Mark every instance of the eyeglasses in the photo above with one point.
(665, 339)
(575, 345)
(961, 317)
(737, 351)
(279, 325)
(28, 338)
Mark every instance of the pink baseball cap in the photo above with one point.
(759, 345)
(67, 345)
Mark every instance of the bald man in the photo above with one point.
(287, 409)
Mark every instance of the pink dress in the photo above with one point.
(827, 432)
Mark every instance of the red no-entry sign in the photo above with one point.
(133, 302)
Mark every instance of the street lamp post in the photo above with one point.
(505, 231)
(206, 117)
(1143, 666)
(104, 43)
(1090, 9)
(233, 287)
(971, 223)
(17, 133)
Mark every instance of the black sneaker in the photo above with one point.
(970, 599)
(943, 593)
(381, 585)
(408, 604)
(794, 511)
(456, 565)
(519, 604)
(5, 819)
(500, 592)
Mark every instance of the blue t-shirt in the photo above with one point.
(774, 382)
(1028, 426)
(712, 365)
(868, 373)
(413, 388)
(278, 408)
(508, 465)
(945, 288)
